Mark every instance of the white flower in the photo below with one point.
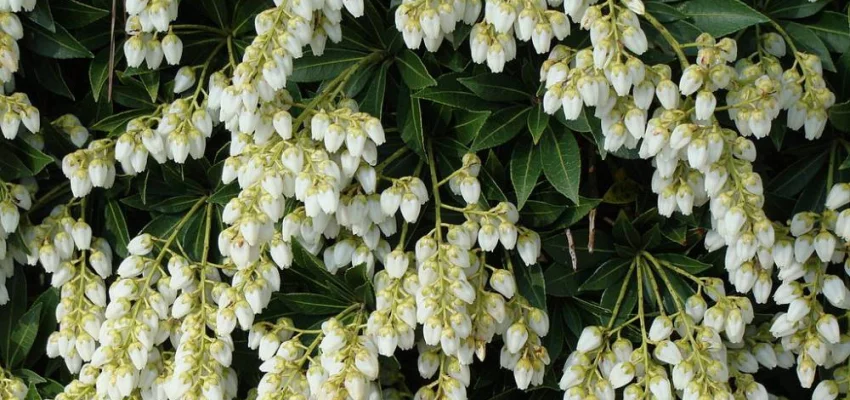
(590, 339)
(621, 374)
(184, 80)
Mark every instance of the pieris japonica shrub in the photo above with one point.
(424, 199)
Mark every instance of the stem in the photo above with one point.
(677, 48)
(785, 35)
(204, 28)
(830, 174)
(395, 156)
(57, 191)
(436, 188)
(202, 76)
(621, 296)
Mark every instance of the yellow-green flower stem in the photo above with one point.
(435, 186)
(674, 44)
(622, 295)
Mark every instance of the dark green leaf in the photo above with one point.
(49, 75)
(73, 14)
(622, 192)
(531, 284)
(218, 11)
(116, 122)
(32, 393)
(538, 120)
(794, 178)
(496, 87)
(839, 116)
(525, 169)
(610, 296)
(451, 93)
(410, 118)
(539, 213)
(808, 41)
(150, 80)
(24, 335)
(413, 71)
(42, 16)
(834, 29)
(625, 233)
(562, 163)
(313, 303)
(721, 17)
(11, 312)
(684, 262)
(468, 124)
(501, 127)
(116, 227)
(311, 68)
(224, 194)
(373, 100)
(32, 158)
(193, 235)
(53, 45)
(607, 273)
(663, 12)
(795, 8)
(99, 72)
(307, 266)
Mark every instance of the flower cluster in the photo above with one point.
(809, 329)
(459, 314)
(13, 199)
(147, 21)
(697, 352)
(12, 387)
(79, 263)
(493, 39)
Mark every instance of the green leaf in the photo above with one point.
(468, 124)
(525, 169)
(540, 213)
(32, 393)
(313, 303)
(609, 300)
(839, 116)
(116, 122)
(663, 12)
(307, 266)
(311, 68)
(410, 116)
(576, 213)
(625, 233)
(32, 158)
(413, 71)
(373, 100)
(150, 80)
(500, 128)
(99, 72)
(793, 179)
(218, 11)
(562, 163)
(451, 93)
(496, 87)
(60, 45)
(24, 335)
(117, 232)
(11, 167)
(684, 262)
(193, 235)
(538, 120)
(224, 194)
(49, 75)
(834, 29)
(531, 284)
(721, 17)
(792, 9)
(11, 312)
(42, 16)
(622, 192)
(808, 41)
(73, 14)
(607, 273)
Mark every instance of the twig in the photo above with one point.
(572, 249)
(111, 51)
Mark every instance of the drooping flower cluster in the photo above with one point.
(809, 328)
(79, 263)
(459, 314)
(147, 21)
(14, 198)
(695, 352)
(493, 39)
(11, 387)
